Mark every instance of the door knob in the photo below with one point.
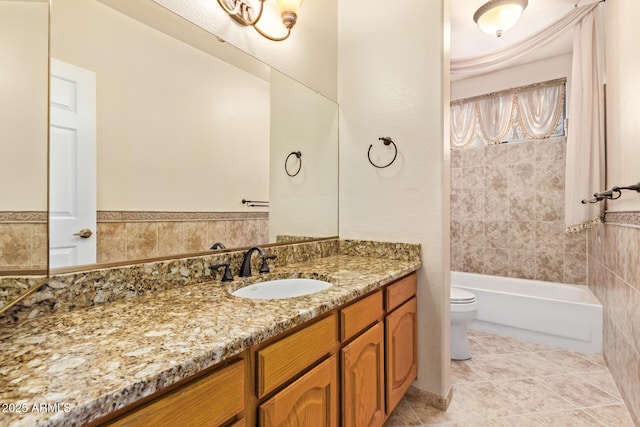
(85, 233)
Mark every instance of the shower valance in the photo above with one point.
(539, 108)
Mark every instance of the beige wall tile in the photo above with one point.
(142, 240)
(550, 236)
(575, 269)
(496, 206)
(15, 245)
(550, 206)
(522, 206)
(218, 231)
(472, 157)
(111, 242)
(170, 238)
(473, 232)
(521, 177)
(550, 266)
(496, 234)
(522, 264)
(522, 235)
(496, 262)
(40, 249)
(496, 155)
(472, 206)
(195, 236)
(473, 259)
(521, 152)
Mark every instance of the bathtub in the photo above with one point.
(555, 314)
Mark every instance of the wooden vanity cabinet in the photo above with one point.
(401, 346)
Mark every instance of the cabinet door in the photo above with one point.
(310, 401)
(363, 379)
(401, 352)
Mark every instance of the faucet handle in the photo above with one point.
(226, 276)
(264, 268)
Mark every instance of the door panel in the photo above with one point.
(72, 165)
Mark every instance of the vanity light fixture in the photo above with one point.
(245, 13)
(497, 16)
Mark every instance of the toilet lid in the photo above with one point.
(461, 296)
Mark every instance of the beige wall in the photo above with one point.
(393, 81)
(309, 55)
(23, 105)
(177, 129)
(623, 87)
(306, 204)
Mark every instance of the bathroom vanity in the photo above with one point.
(346, 354)
(321, 369)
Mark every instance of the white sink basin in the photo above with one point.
(283, 288)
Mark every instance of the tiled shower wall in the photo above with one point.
(130, 235)
(507, 213)
(614, 277)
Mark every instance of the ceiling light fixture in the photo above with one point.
(497, 16)
(244, 13)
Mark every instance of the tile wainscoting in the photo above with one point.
(23, 240)
(124, 236)
(507, 213)
(614, 277)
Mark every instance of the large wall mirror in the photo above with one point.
(24, 53)
(159, 131)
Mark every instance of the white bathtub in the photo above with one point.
(565, 316)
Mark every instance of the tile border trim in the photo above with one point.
(164, 216)
(10, 217)
(631, 218)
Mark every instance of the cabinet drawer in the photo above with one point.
(284, 359)
(359, 315)
(211, 400)
(400, 291)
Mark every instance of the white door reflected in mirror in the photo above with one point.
(72, 164)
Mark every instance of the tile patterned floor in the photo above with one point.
(512, 383)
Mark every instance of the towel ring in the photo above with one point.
(298, 154)
(386, 140)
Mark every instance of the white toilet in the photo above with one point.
(463, 311)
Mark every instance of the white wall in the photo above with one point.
(309, 55)
(394, 81)
(302, 120)
(534, 72)
(177, 129)
(24, 77)
(623, 108)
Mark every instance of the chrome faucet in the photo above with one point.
(245, 268)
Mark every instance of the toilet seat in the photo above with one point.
(461, 296)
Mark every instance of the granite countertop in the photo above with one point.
(71, 368)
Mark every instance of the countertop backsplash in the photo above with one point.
(66, 292)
